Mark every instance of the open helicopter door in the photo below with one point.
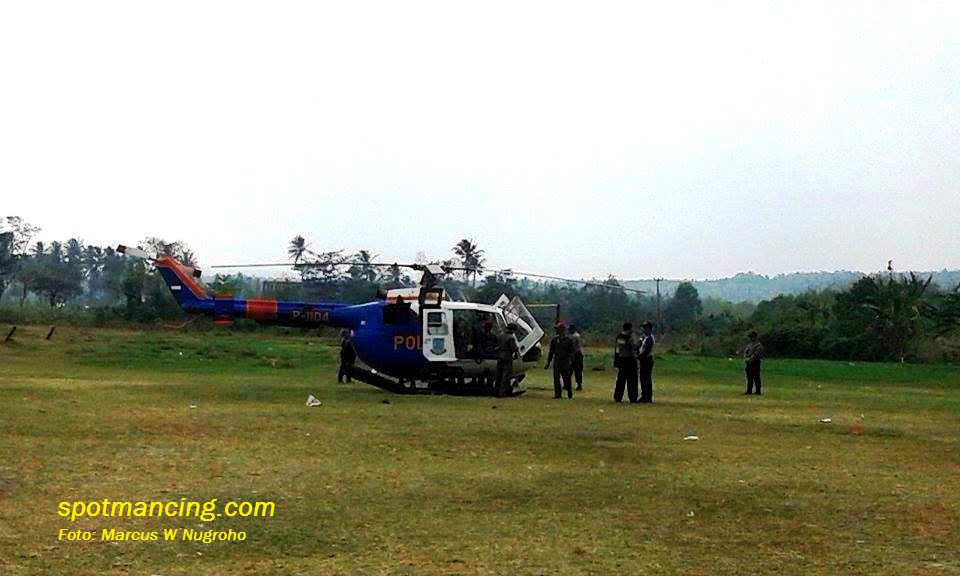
(528, 331)
(438, 335)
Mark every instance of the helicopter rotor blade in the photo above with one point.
(317, 264)
(134, 252)
(510, 271)
(433, 268)
(582, 282)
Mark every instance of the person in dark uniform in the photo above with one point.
(561, 355)
(752, 358)
(486, 347)
(488, 341)
(507, 351)
(625, 360)
(645, 360)
(348, 356)
(577, 356)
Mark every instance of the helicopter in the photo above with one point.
(408, 341)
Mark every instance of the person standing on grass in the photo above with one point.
(625, 361)
(348, 356)
(577, 356)
(487, 347)
(752, 358)
(645, 360)
(561, 355)
(507, 351)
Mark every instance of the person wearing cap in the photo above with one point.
(507, 351)
(625, 360)
(348, 356)
(645, 360)
(561, 356)
(752, 358)
(577, 356)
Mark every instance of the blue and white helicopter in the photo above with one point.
(410, 340)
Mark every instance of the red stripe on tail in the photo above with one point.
(261, 309)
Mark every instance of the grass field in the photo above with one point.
(370, 483)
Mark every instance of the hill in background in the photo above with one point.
(752, 287)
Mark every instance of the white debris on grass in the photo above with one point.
(313, 401)
(691, 437)
(826, 420)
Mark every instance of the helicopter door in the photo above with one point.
(528, 331)
(438, 335)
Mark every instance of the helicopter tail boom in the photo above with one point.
(193, 299)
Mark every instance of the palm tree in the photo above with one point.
(368, 273)
(472, 257)
(394, 277)
(298, 247)
(899, 308)
(361, 269)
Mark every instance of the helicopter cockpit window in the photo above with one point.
(399, 313)
(436, 324)
(470, 335)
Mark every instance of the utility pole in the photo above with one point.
(659, 316)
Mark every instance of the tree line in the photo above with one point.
(880, 317)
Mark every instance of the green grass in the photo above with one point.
(448, 485)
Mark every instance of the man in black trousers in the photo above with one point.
(348, 356)
(645, 359)
(561, 355)
(625, 360)
(752, 358)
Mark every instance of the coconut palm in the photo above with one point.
(899, 308)
(394, 277)
(298, 247)
(472, 257)
(362, 269)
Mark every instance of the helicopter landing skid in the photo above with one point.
(382, 382)
(451, 386)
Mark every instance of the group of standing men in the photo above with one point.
(633, 359)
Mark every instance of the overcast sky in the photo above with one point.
(687, 140)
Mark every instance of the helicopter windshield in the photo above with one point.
(475, 333)
(528, 330)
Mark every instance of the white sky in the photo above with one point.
(677, 139)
